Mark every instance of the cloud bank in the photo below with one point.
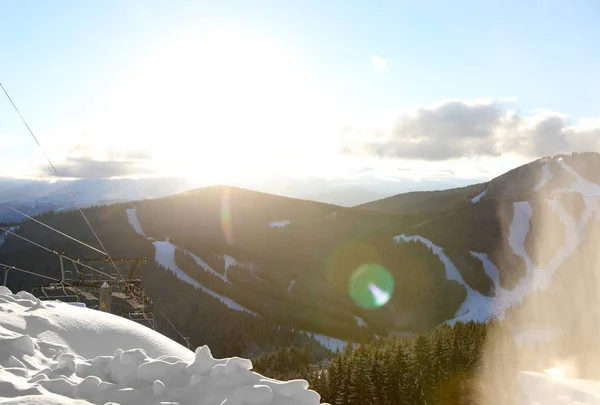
(85, 168)
(456, 129)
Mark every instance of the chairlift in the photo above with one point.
(143, 318)
(54, 292)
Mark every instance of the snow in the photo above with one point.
(360, 321)
(54, 353)
(478, 197)
(5, 235)
(476, 306)
(292, 282)
(489, 268)
(134, 222)
(207, 267)
(546, 177)
(280, 224)
(581, 185)
(165, 256)
(328, 342)
(481, 308)
(229, 261)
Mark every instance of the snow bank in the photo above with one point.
(54, 353)
(478, 197)
(280, 224)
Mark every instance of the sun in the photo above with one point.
(218, 104)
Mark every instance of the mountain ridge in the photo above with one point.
(289, 260)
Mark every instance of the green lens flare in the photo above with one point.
(371, 286)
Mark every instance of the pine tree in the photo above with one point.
(377, 374)
(361, 389)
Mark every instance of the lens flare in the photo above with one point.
(226, 218)
(371, 286)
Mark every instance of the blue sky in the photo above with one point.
(96, 82)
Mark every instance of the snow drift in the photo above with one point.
(55, 353)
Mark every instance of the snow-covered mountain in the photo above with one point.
(55, 353)
(487, 251)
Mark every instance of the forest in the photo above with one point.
(442, 366)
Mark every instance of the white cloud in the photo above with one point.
(379, 62)
(485, 128)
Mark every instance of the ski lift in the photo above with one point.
(55, 292)
(143, 318)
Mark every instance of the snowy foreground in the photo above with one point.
(56, 353)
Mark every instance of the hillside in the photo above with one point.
(274, 262)
(523, 183)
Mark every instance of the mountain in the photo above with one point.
(345, 196)
(531, 181)
(261, 261)
(35, 197)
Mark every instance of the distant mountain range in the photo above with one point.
(35, 197)
(470, 253)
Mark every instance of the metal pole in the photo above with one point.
(62, 269)
(5, 275)
(105, 297)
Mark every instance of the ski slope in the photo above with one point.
(546, 177)
(478, 197)
(52, 353)
(5, 235)
(360, 321)
(134, 222)
(165, 256)
(481, 308)
(333, 344)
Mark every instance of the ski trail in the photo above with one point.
(475, 306)
(490, 269)
(207, 267)
(165, 256)
(546, 177)
(478, 197)
(134, 222)
(4, 235)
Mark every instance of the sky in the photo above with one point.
(389, 95)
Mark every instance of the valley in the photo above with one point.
(287, 262)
